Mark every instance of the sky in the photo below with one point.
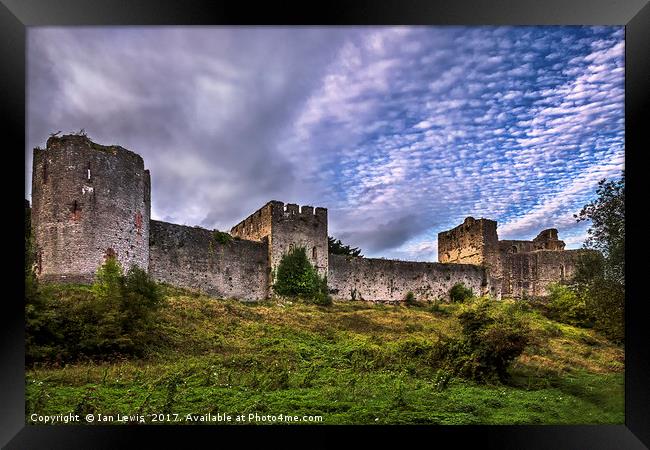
(401, 132)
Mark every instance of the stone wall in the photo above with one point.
(285, 227)
(191, 257)
(529, 274)
(88, 200)
(383, 280)
(467, 243)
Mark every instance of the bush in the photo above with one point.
(566, 306)
(459, 293)
(114, 316)
(492, 337)
(410, 299)
(605, 304)
(296, 277)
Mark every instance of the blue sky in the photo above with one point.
(401, 132)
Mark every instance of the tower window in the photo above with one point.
(314, 254)
(88, 170)
(45, 172)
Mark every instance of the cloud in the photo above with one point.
(401, 132)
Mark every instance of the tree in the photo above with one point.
(600, 277)
(336, 247)
(296, 277)
(607, 231)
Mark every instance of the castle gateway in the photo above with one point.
(90, 201)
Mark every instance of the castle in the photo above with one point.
(90, 201)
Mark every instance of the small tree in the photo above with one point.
(410, 299)
(565, 305)
(141, 298)
(296, 277)
(600, 278)
(336, 247)
(459, 293)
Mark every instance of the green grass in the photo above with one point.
(352, 363)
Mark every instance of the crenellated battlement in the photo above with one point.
(91, 200)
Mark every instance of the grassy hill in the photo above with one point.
(351, 363)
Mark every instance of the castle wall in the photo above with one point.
(190, 257)
(383, 280)
(472, 242)
(88, 200)
(529, 274)
(285, 227)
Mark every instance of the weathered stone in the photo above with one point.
(86, 199)
(92, 201)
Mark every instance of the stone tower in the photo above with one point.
(472, 242)
(88, 201)
(285, 227)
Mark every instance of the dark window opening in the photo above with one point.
(76, 210)
(314, 253)
(45, 172)
(110, 253)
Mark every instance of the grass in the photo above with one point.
(352, 363)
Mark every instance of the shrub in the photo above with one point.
(410, 299)
(492, 337)
(605, 302)
(566, 306)
(221, 237)
(296, 277)
(459, 293)
(113, 316)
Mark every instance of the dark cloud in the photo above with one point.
(375, 237)
(400, 131)
(205, 106)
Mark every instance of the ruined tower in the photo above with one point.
(472, 242)
(88, 201)
(285, 227)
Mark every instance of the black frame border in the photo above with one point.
(16, 15)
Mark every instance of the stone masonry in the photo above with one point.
(91, 201)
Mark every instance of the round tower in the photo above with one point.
(88, 201)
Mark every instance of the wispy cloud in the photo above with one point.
(400, 131)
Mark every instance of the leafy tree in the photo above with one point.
(600, 277)
(607, 231)
(336, 247)
(296, 277)
(459, 293)
(492, 337)
(565, 305)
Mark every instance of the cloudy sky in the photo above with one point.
(399, 132)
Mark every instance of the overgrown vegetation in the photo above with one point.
(336, 247)
(114, 317)
(566, 306)
(459, 293)
(350, 363)
(600, 277)
(492, 337)
(410, 299)
(296, 277)
(221, 237)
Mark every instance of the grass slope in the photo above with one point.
(352, 363)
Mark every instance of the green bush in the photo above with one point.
(296, 277)
(492, 337)
(114, 316)
(566, 306)
(459, 293)
(410, 299)
(605, 304)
